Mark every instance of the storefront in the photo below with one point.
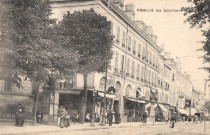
(52, 100)
(133, 109)
(182, 114)
(161, 112)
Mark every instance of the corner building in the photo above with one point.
(133, 72)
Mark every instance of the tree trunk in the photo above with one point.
(84, 100)
(93, 112)
(36, 96)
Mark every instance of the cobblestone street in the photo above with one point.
(186, 128)
(161, 128)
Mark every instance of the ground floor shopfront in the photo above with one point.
(72, 100)
(157, 111)
(133, 109)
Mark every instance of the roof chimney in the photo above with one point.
(129, 11)
(150, 33)
(141, 25)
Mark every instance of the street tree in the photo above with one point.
(26, 48)
(90, 35)
(198, 16)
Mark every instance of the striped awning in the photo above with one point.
(161, 106)
(101, 94)
(147, 105)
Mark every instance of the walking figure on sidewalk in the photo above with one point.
(20, 115)
(144, 118)
(64, 118)
(109, 117)
(173, 119)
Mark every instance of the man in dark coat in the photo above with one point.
(173, 119)
(144, 118)
(20, 116)
(109, 117)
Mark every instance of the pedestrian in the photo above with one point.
(59, 115)
(39, 116)
(110, 117)
(144, 116)
(87, 117)
(19, 106)
(64, 119)
(173, 118)
(75, 116)
(20, 116)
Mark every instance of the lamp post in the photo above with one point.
(104, 107)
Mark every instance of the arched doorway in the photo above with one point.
(128, 91)
(118, 88)
(117, 101)
(102, 84)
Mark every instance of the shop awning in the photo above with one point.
(193, 111)
(147, 105)
(182, 111)
(163, 108)
(135, 100)
(101, 94)
(154, 106)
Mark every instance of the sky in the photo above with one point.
(176, 36)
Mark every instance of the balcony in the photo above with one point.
(132, 76)
(123, 45)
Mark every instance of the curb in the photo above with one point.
(77, 129)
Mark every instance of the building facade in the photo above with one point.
(139, 77)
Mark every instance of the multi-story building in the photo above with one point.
(134, 68)
(139, 78)
(164, 86)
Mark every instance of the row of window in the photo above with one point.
(137, 50)
(134, 70)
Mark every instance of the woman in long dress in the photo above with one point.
(64, 121)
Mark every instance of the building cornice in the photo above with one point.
(114, 9)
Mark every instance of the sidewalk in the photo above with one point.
(8, 128)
